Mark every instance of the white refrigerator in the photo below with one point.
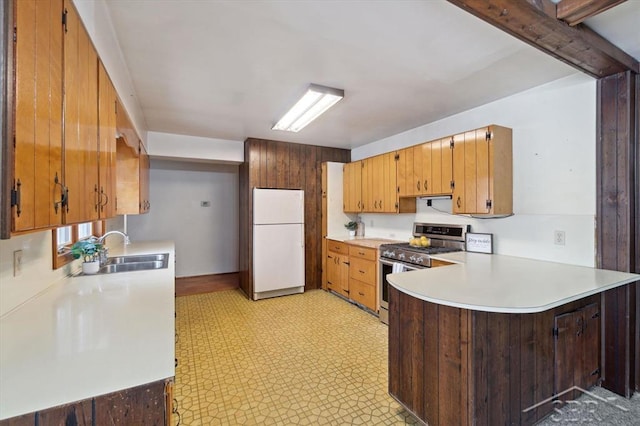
(278, 242)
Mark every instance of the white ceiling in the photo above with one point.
(230, 69)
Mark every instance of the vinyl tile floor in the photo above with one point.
(307, 359)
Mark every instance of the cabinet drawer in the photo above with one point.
(362, 270)
(363, 253)
(363, 293)
(337, 246)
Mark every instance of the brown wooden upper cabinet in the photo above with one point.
(132, 170)
(379, 184)
(55, 158)
(352, 187)
(425, 169)
(483, 172)
(474, 167)
(370, 185)
(106, 200)
(80, 121)
(62, 167)
(37, 190)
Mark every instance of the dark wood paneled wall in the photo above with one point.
(618, 186)
(274, 164)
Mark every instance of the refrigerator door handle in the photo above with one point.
(302, 235)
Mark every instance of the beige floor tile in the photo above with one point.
(306, 359)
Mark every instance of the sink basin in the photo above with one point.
(132, 266)
(161, 257)
(141, 262)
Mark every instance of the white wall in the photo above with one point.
(194, 148)
(554, 172)
(37, 271)
(206, 238)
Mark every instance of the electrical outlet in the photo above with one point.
(558, 238)
(17, 263)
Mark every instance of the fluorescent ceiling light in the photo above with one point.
(317, 100)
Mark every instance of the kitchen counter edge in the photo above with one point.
(505, 284)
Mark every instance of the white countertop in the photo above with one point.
(89, 335)
(496, 283)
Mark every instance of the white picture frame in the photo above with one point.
(479, 243)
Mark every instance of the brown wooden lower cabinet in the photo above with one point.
(453, 366)
(148, 404)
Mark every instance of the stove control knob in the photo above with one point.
(392, 254)
(420, 260)
(412, 258)
(385, 253)
(401, 256)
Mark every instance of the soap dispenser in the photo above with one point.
(360, 228)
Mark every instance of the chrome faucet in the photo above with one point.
(104, 252)
(126, 237)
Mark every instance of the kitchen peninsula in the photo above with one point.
(491, 339)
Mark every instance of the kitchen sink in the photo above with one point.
(141, 258)
(142, 262)
(132, 266)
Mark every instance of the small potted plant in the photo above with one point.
(351, 226)
(89, 251)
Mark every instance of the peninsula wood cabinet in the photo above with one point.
(483, 172)
(455, 366)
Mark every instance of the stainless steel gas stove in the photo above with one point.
(405, 257)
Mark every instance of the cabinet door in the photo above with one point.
(107, 144)
(376, 170)
(405, 172)
(145, 203)
(465, 173)
(576, 350)
(332, 271)
(416, 180)
(368, 187)
(38, 115)
(388, 202)
(441, 167)
(426, 171)
(352, 187)
(80, 121)
(343, 274)
(127, 178)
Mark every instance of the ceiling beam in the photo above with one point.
(534, 22)
(574, 12)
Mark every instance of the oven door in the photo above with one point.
(385, 267)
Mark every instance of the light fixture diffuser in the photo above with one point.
(313, 103)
